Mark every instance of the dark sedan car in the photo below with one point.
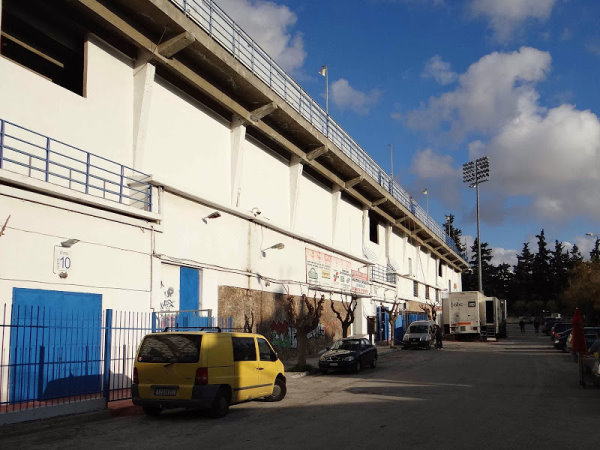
(350, 354)
(560, 339)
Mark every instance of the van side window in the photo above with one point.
(265, 351)
(243, 349)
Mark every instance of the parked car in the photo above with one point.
(590, 333)
(420, 333)
(559, 327)
(203, 369)
(560, 339)
(351, 353)
(548, 323)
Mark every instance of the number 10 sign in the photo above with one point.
(62, 259)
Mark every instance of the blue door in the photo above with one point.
(54, 344)
(189, 300)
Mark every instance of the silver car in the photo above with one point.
(421, 333)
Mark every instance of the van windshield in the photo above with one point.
(418, 329)
(170, 348)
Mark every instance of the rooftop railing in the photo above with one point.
(35, 155)
(226, 32)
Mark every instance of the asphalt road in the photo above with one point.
(513, 394)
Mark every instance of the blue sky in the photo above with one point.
(447, 81)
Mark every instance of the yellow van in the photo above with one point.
(202, 369)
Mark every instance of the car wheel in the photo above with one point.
(220, 405)
(279, 391)
(373, 363)
(357, 366)
(152, 410)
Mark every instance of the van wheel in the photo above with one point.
(220, 405)
(152, 410)
(279, 391)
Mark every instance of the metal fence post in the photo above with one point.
(107, 355)
(154, 322)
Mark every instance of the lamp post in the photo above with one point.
(426, 194)
(475, 172)
(325, 73)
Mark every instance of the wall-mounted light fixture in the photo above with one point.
(213, 215)
(69, 243)
(256, 212)
(278, 246)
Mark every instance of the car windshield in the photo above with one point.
(418, 329)
(346, 344)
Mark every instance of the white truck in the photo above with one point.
(460, 311)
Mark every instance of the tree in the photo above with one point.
(348, 319)
(394, 312)
(575, 257)
(304, 321)
(595, 253)
(540, 271)
(499, 281)
(584, 290)
(521, 286)
(559, 267)
(454, 233)
(470, 279)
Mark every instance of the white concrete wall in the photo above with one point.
(99, 123)
(111, 258)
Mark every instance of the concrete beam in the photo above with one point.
(263, 111)
(175, 44)
(378, 202)
(314, 154)
(353, 182)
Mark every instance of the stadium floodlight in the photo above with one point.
(475, 172)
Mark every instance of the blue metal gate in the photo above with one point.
(54, 344)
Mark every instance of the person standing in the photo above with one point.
(522, 325)
(536, 324)
(438, 336)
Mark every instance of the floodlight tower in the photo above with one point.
(475, 172)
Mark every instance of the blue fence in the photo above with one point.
(212, 19)
(34, 155)
(51, 357)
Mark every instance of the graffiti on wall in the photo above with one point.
(284, 336)
(167, 304)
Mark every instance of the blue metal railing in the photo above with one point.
(226, 32)
(35, 155)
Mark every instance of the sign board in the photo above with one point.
(62, 259)
(328, 271)
(360, 283)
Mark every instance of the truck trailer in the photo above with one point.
(492, 316)
(460, 311)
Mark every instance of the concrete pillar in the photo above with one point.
(365, 227)
(295, 176)
(335, 212)
(143, 83)
(238, 137)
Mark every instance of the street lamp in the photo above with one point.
(324, 72)
(426, 194)
(475, 172)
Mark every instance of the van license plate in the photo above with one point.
(165, 392)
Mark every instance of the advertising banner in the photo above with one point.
(332, 272)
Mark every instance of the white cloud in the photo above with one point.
(502, 255)
(439, 70)
(270, 26)
(439, 174)
(493, 91)
(547, 158)
(346, 97)
(505, 16)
